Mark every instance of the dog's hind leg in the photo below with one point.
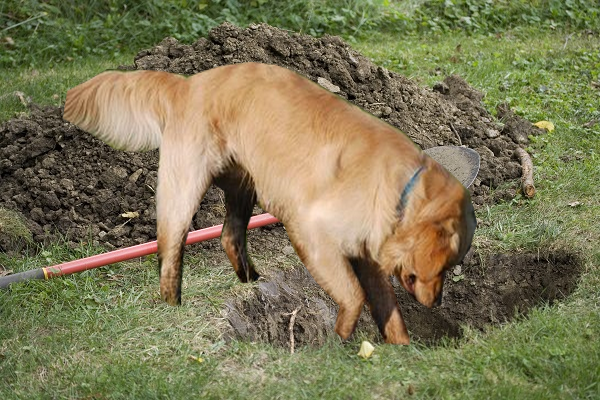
(382, 301)
(184, 175)
(332, 271)
(240, 198)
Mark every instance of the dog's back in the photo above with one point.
(288, 132)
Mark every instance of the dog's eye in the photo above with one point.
(411, 279)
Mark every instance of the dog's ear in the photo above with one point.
(123, 109)
(396, 252)
(458, 232)
(450, 235)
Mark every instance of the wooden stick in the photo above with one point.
(453, 129)
(291, 328)
(527, 174)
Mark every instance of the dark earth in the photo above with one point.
(68, 185)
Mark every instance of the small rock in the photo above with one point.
(457, 270)
(492, 133)
(136, 175)
(67, 184)
(441, 87)
(121, 172)
(485, 152)
(48, 162)
(118, 232)
(288, 250)
(386, 111)
(328, 85)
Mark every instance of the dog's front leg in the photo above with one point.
(382, 301)
(332, 271)
(184, 175)
(240, 198)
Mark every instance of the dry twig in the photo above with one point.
(291, 328)
(23, 98)
(456, 133)
(527, 174)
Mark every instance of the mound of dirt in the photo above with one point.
(68, 184)
(450, 114)
(477, 294)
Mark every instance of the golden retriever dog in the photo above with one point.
(359, 200)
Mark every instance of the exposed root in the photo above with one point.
(527, 175)
(456, 133)
(291, 328)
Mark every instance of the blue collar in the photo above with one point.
(409, 187)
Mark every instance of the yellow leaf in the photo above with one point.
(547, 125)
(199, 359)
(366, 350)
(130, 214)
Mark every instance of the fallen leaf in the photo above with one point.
(198, 359)
(366, 350)
(574, 204)
(130, 214)
(547, 125)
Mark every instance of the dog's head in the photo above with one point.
(434, 232)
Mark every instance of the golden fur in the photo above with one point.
(330, 172)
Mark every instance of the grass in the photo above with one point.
(538, 78)
(48, 86)
(13, 229)
(104, 334)
(35, 32)
(51, 31)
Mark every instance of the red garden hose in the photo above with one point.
(127, 253)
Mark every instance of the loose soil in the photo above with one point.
(484, 292)
(68, 185)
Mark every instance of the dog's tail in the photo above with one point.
(127, 110)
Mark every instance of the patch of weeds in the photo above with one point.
(14, 234)
(494, 16)
(54, 31)
(38, 32)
